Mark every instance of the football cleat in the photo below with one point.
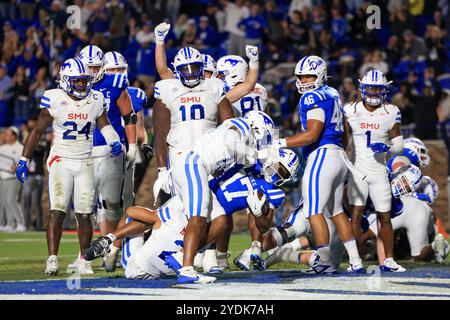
(242, 261)
(100, 247)
(441, 248)
(255, 256)
(52, 266)
(356, 266)
(189, 275)
(390, 265)
(174, 261)
(222, 260)
(321, 267)
(210, 264)
(84, 267)
(110, 259)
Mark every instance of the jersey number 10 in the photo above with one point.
(197, 112)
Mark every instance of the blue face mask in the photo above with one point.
(191, 74)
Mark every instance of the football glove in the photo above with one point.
(116, 148)
(379, 147)
(131, 155)
(98, 248)
(22, 171)
(255, 204)
(253, 55)
(147, 150)
(161, 32)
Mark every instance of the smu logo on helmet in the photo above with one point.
(267, 120)
(77, 116)
(365, 125)
(65, 65)
(232, 62)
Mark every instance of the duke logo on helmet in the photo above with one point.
(310, 66)
(93, 57)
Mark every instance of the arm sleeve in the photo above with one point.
(397, 145)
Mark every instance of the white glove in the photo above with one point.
(131, 154)
(255, 204)
(253, 56)
(161, 32)
(163, 182)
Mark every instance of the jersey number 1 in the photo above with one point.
(67, 134)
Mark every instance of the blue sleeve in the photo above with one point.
(310, 100)
(120, 81)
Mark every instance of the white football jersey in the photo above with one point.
(193, 111)
(255, 100)
(367, 128)
(73, 121)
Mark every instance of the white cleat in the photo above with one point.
(84, 267)
(210, 264)
(242, 261)
(356, 266)
(198, 260)
(256, 256)
(189, 275)
(21, 228)
(52, 266)
(9, 229)
(110, 260)
(441, 248)
(321, 267)
(278, 255)
(222, 260)
(390, 265)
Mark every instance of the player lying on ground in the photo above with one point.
(73, 110)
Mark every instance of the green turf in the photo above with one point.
(23, 255)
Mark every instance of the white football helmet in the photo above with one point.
(406, 180)
(374, 87)
(188, 64)
(233, 68)
(75, 78)
(210, 65)
(419, 147)
(93, 56)
(279, 169)
(261, 127)
(311, 65)
(114, 60)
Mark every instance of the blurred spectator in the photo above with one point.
(27, 8)
(58, 15)
(374, 60)
(10, 154)
(393, 49)
(188, 37)
(434, 39)
(296, 31)
(173, 9)
(274, 17)
(234, 13)
(100, 19)
(38, 87)
(425, 115)
(413, 46)
(401, 20)
(348, 91)
(33, 187)
(403, 100)
(338, 26)
(254, 26)
(5, 94)
(117, 24)
(21, 92)
(181, 25)
(205, 36)
(146, 69)
(299, 5)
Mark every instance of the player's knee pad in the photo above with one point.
(284, 234)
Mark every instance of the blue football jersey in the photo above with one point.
(138, 98)
(328, 100)
(408, 153)
(111, 85)
(232, 194)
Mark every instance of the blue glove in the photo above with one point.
(22, 171)
(116, 148)
(379, 147)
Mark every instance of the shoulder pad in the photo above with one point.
(48, 98)
(163, 86)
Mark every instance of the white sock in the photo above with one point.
(352, 249)
(324, 254)
(295, 245)
(210, 253)
(291, 256)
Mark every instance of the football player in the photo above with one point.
(110, 172)
(115, 63)
(233, 94)
(74, 109)
(320, 111)
(374, 126)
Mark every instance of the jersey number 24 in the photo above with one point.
(67, 135)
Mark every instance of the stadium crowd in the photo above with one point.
(412, 48)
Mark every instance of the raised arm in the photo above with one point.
(161, 32)
(248, 85)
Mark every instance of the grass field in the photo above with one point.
(23, 255)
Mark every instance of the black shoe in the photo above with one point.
(98, 248)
